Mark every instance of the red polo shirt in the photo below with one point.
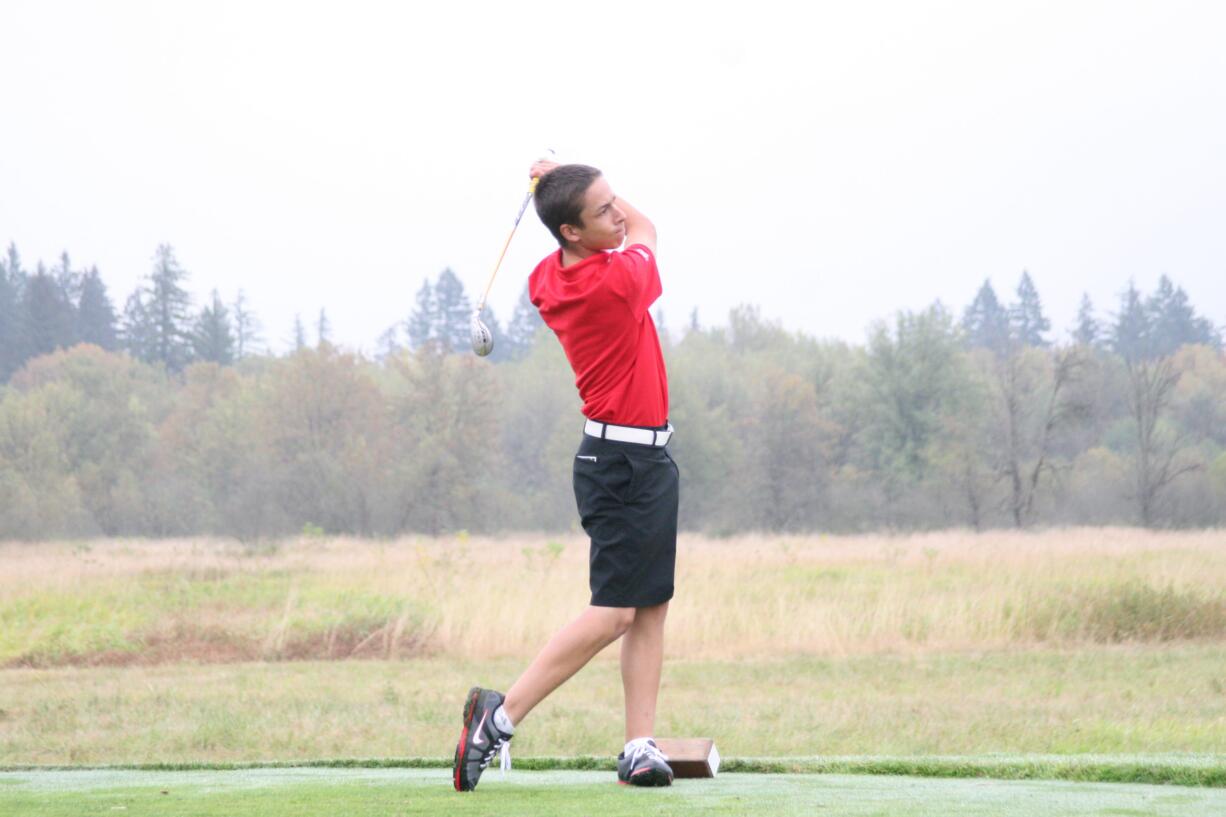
(600, 310)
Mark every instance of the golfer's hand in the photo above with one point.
(540, 167)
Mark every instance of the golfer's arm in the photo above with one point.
(639, 229)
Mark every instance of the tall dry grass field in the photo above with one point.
(137, 601)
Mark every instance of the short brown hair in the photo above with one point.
(559, 197)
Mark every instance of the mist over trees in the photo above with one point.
(169, 419)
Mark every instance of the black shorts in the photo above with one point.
(627, 496)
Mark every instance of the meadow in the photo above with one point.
(165, 601)
(1061, 642)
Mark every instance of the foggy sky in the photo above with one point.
(832, 165)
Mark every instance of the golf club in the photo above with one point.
(482, 339)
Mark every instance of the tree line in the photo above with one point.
(48, 309)
(980, 419)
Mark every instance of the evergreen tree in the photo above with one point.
(453, 328)
(12, 323)
(525, 321)
(694, 326)
(246, 328)
(986, 322)
(323, 329)
(1174, 321)
(1026, 316)
(69, 281)
(50, 316)
(16, 275)
(1131, 336)
(136, 329)
(167, 307)
(7, 296)
(212, 337)
(95, 313)
(299, 333)
(1087, 330)
(422, 321)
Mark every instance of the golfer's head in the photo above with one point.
(577, 205)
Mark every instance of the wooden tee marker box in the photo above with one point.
(690, 757)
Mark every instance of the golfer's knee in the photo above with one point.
(620, 620)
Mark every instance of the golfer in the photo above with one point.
(596, 297)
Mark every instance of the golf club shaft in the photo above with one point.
(522, 208)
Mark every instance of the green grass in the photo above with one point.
(1172, 769)
(269, 614)
(981, 664)
(1094, 700)
(360, 792)
(1131, 611)
(170, 601)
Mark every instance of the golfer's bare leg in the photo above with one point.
(642, 658)
(565, 654)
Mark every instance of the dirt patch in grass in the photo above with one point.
(335, 598)
(204, 645)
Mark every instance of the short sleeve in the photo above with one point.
(534, 294)
(636, 279)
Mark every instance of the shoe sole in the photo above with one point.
(648, 777)
(470, 707)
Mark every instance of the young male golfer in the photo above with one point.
(597, 299)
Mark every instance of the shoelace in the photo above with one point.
(649, 749)
(503, 747)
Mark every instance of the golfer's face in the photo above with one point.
(604, 224)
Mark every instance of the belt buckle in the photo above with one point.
(668, 435)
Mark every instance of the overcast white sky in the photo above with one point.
(831, 162)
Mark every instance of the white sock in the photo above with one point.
(503, 721)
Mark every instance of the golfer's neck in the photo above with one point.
(574, 253)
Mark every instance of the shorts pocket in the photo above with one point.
(611, 474)
(676, 467)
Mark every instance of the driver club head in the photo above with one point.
(483, 341)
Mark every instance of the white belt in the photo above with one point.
(628, 434)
